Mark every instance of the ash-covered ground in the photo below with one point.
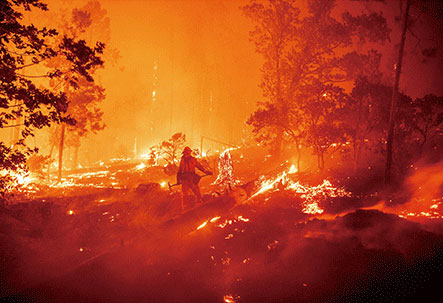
(285, 237)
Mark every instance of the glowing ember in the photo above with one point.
(240, 218)
(230, 298)
(70, 212)
(230, 236)
(229, 222)
(214, 219)
(202, 225)
(223, 224)
(431, 213)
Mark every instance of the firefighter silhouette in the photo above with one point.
(187, 177)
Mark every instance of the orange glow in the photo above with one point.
(432, 212)
(141, 166)
(214, 219)
(292, 170)
(223, 224)
(272, 218)
(202, 225)
(21, 178)
(229, 298)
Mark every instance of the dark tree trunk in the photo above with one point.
(50, 160)
(277, 147)
(298, 156)
(394, 100)
(60, 152)
(76, 148)
(321, 162)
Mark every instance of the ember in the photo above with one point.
(229, 299)
(202, 225)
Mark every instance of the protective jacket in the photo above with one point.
(186, 170)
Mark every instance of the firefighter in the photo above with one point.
(187, 177)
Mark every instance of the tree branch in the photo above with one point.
(28, 76)
(16, 125)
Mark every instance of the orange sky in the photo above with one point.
(208, 73)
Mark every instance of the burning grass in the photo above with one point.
(285, 238)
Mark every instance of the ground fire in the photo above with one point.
(220, 151)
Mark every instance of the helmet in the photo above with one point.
(187, 150)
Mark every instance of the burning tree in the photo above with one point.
(410, 19)
(84, 95)
(418, 131)
(273, 34)
(427, 119)
(311, 53)
(323, 122)
(28, 47)
(365, 118)
(84, 108)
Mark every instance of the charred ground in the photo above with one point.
(94, 242)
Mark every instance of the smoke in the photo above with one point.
(421, 194)
(426, 184)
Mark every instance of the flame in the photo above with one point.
(214, 219)
(228, 298)
(202, 225)
(225, 169)
(292, 170)
(230, 221)
(431, 213)
(23, 179)
(269, 184)
(20, 177)
(141, 166)
(222, 224)
(311, 194)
